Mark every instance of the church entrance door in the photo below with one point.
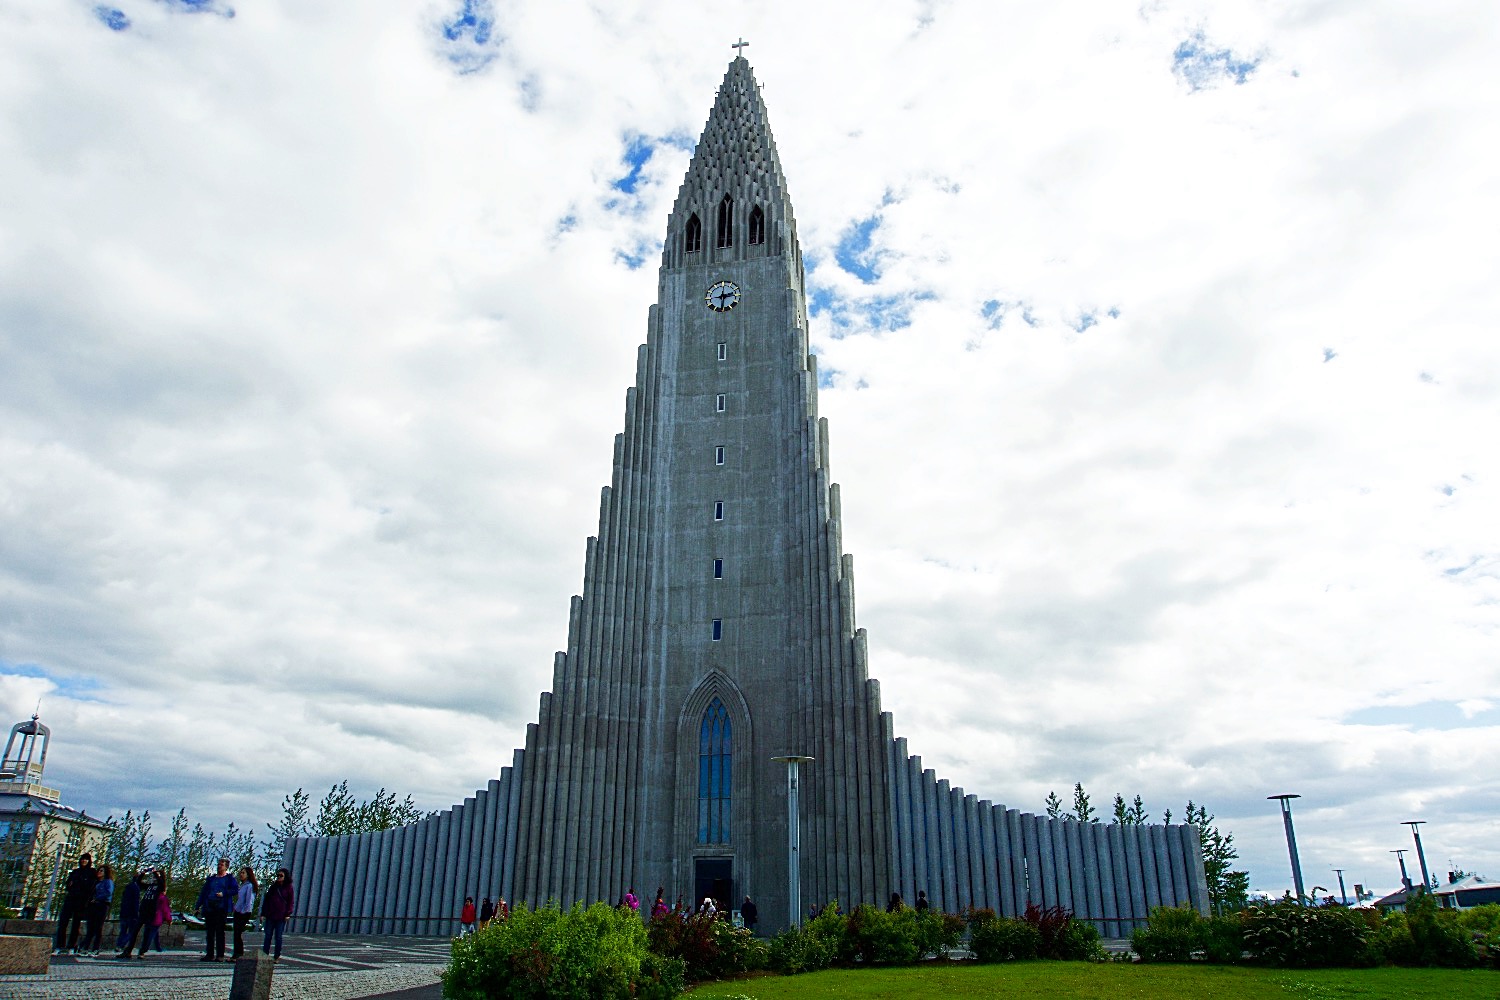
(714, 877)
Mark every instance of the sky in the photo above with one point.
(1157, 345)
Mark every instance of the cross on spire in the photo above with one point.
(739, 45)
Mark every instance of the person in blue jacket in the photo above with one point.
(215, 901)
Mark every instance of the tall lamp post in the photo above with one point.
(1401, 857)
(1343, 895)
(1421, 857)
(1291, 841)
(793, 839)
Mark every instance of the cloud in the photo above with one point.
(317, 326)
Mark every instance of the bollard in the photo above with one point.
(252, 976)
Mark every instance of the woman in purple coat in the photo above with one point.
(278, 907)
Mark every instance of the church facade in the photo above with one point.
(715, 631)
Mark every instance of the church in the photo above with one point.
(715, 637)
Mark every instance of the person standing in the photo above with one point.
(98, 908)
(130, 910)
(922, 904)
(502, 910)
(159, 917)
(214, 901)
(659, 908)
(244, 907)
(749, 913)
(486, 913)
(148, 898)
(895, 905)
(77, 892)
(277, 909)
(466, 918)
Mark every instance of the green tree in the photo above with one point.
(338, 813)
(1129, 815)
(1228, 890)
(293, 824)
(1083, 811)
(1054, 806)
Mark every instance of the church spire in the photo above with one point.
(734, 188)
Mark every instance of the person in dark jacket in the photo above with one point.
(153, 888)
(922, 904)
(749, 913)
(279, 905)
(98, 908)
(215, 900)
(77, 892)
(486, 913)
(130, 910)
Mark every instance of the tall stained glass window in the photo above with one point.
(714, 744)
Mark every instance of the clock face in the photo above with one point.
(722, 296)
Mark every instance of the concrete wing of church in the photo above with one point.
(716, 631)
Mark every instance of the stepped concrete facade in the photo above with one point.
(716, 631)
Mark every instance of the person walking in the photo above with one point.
(77, 892)
(502, 910)
(486, 913)
(98, 909)
(896, 904)
(749, 913)
(214, 901)
(466, 918)
(278, 908)
(149, 897)
(130, 910)
(244, 907)
(159, 917)
(922, 904)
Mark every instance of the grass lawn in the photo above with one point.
(1107, 981)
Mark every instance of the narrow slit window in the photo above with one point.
(719, 403)
(723, 352)
(719, 455)
(757, 225)
(692, 238)
(718, 629)
(718, 569)
(718, 510)
(726, 223)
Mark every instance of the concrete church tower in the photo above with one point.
(716, 631)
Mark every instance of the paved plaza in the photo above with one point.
(311, 968)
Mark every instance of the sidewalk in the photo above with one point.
(311, 968)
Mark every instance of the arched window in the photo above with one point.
(757, 226)
(714, 758)
(726, 223)
(692, 240)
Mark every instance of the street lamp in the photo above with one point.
(1401, 857)
(1291, 840)
(1421, 857)
(793, 841)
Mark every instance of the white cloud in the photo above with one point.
(303, 412)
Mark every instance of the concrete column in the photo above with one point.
(1197, 880)
(395, 883)
(1089, 853)
(488, 883)
(293, 859)
(989, 855)
(1166, 892)
(1134, 874)
(1108, 909)
(1044, 867)
(343, 896)
(945, 846)
(1016, 849)
(1149, 880)
(1005, 860)
(1055, 830)
(317, 877)
(327, 869)
(933, 838)
(513, 840)
(1031, 851)
(1176, 842)
(443, 871)
(963, 894)
(365, 878)
(907, 831)
(1077, 870)
(918, 819)
(426, 909)
(460, 866)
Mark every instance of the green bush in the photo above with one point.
(1063, 937)
(708, 947)
(881, 938)
(1484, 920)
(797, 950)
(1004, 939)
(1181, 934)
(593, 953)
(1289, 935)
(1171, 934)
(1426, 936)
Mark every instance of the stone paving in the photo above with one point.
(311, 968)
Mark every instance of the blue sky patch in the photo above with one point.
(113, 18)
(1201, 66)
(1427, 715)
(73, 688)
(853, 251)
(198, 7)
(469, 39)
(638, 150)
(1329, 354)
(1085, 321)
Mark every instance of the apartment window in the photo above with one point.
(718, 510)
(719, 403)
(723, 352)
(718, 629)
(718, 569)
(719, 455)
